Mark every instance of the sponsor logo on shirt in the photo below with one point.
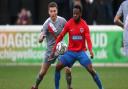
(77, 37)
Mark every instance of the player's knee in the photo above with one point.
(40, 76)
(91, 70)
(67, 70)
(59, 66)
(43, 72)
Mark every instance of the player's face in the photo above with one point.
(76, 14)
(53, 13)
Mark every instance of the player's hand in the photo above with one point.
(92, 55)
(51, 56)
(41, 38)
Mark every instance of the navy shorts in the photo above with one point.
(70, 57)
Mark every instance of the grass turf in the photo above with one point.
(23, 77)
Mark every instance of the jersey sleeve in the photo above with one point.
(87, 37)
(62, 34)
(44, 28)
(120, 11)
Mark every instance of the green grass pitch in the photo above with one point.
(23, 77)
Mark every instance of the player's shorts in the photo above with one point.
(70, 57)
(125, 42)
(46, 56)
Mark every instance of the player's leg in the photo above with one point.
(44, 68)
(68, 77)
(59, 67)
(95, 76)
(86, 62)
(64, 60)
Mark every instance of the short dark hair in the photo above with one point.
(52, 4)
(77, 6)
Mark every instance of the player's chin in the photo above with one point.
(76, 19)
(53, 17)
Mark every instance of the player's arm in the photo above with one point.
(88, 39)
(118, 22)
(43, 31)
(60, 37)
(41, 37)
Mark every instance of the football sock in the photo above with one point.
(57, 79)
(38, 80)
(97, 80)
(69, 79)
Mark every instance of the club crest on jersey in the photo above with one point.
(81, 30)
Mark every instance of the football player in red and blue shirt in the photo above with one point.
(79, 35)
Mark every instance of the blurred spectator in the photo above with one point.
(94, 11)
(103, 14)
(98, 12)
(24, 17)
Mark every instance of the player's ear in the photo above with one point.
(57, 11)
(48, 11)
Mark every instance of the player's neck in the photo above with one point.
(54, 19)
(77, 21)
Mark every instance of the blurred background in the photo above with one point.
(99, 12)
(21, 55)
